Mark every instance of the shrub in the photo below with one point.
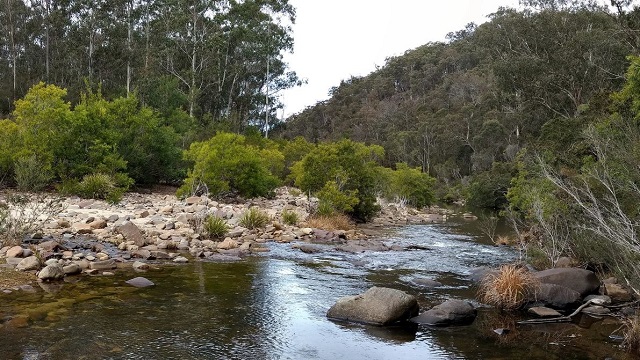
(352, 168)
(337, 200)
(290, 217)
(254, 218)
(331, 222)
(24, 214)
(98, 186)
(227, 163)
(631, 333)
(32, 173)
(413, 185)
(509, 288)
(215, 227)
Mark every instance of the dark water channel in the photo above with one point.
(273, 307)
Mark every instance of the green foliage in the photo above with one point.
(489, 189)
(333, 199)
(412, 185)
(8, 147)
(290, 217)
(215, 227)
(98, 186)
(226, 163)
(254, 218)
(32, 174)
(351, 167)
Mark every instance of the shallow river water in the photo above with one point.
(274, 306)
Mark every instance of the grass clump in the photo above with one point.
(254, 218)
(331, 222)
(509, 288)
(631, 332)
(290, 217)
(215, 227)
(22, 214)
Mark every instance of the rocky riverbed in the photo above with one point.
(96, 238)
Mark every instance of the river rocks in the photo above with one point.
(541, 311)
(140, 266)
(451, 312)
(556, 296)
(71, 269)
(140, 282)
(426, 283)
(180, 260)
(131, 232)
(28, 263)
(14, 252)
(583, 281)
(227, 244)
(51, 272)
(617, 293)
(103, 265)
(376, 306)
(598, 299)
(478, 274)
(309, 249)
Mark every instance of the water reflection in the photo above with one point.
(274, 307)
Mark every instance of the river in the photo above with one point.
(274, 306)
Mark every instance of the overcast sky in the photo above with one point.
(337, 39)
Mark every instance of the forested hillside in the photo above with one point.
(212, 60)
(466, 107)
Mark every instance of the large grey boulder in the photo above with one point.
(450, 312)
(583, 281)
(556, 296)
(376, 306)
(51, 272)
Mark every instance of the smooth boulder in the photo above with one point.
(376, 306)
(28, 263)
(140, 282)
(450, 312)
(556, 296)
(583, 281)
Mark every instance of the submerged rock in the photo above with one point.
(450, 312)
(541, 311)
(140, 282)
(376, 306)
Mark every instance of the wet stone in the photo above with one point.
(140, 282)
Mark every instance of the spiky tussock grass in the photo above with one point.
(215, 227)
(508, 288)
(631, 332)
(290, 217)
(331, 222)
(254, 218)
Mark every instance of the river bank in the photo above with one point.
(93, 237)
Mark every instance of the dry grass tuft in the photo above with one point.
(331, 222)
(503, 240)
(631, 330)
(509, 288)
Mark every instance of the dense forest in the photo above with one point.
(215, 60)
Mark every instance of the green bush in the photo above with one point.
(351, 166)
(98, 186)
(254, 218)
(412, 185)
(227, 163)
(331, 196)
(215, 227)
(290, 217)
